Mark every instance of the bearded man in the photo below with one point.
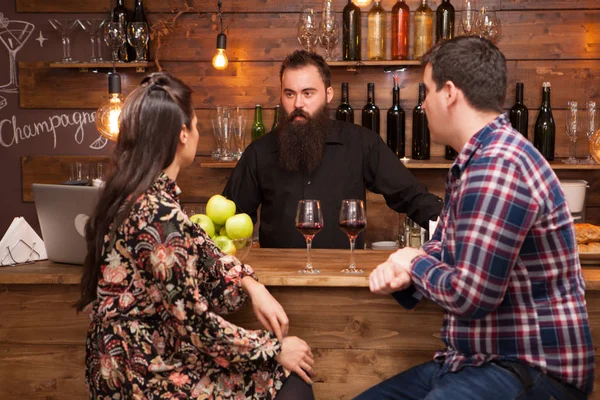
(310, 156)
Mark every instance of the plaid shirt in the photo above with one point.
(503, 263)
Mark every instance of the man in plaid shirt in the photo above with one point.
(503, 261)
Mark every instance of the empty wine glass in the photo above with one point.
(469, 16)
(328, 37)
(64, 27)
(308, 29)
(487, 24)
(589, 127)
(572, 121)
(114, 36)
(309, 221)
(352, 221)
(93, 27)
(137, 36)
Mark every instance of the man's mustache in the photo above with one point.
(298, 112)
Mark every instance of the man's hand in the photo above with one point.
(268, 310)
(393, 274)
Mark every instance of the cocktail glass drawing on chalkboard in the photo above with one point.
(13, 34)
(64, 27)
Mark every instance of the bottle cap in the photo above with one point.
(546, 85)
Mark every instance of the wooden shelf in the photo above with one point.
(85, 66)
(434, 163)
(389, 65)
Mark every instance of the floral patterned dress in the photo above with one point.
(156, 330)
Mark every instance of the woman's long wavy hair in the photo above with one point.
(150, 124)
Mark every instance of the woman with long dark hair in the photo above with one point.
(155, 284)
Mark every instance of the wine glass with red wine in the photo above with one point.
(352, 221)
(309, 221)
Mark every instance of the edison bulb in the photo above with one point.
(220, 61)
(107, 116)
(362, 3)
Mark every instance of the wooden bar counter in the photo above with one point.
(358, 338)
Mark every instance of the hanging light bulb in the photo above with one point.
(107, 116)
(362, 3)
(220, 61)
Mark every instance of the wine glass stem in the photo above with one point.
(309, 265)
(352, 242)
(572, 144)
(92, 39)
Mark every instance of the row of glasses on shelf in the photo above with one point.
(309, 221)
(326, 31)
(481, 22)
(229, 132)
(580, 120)
(114, 33)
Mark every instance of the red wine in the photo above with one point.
(370, 112)
(420, 132)
(344, 111)
(519, 114)
(352, 228)
(395, 123)
(545, 130)
(309, 228)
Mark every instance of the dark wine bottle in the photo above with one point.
(420, 129)
(120, 14)
(400, 30)
(444, 26)
(275, 118)
(519, 114)
(258, 128)
(140, 16)
(351, 32)
(396, 123)
(545, 130)
(370, 112)
(344, 111)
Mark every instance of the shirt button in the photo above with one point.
(309, 182)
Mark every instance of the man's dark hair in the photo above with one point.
(475, 66)
(303, 58)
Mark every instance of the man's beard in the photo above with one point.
(301, 144)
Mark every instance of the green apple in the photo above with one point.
(205, 223)
(219, 209)
(218, 230)
(225, 244)
(239, 226)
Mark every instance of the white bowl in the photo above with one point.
(385, 245)
(574, 193)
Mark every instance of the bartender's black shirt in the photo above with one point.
(354, 158)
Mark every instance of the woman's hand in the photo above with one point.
(268, 310)
(296, 356)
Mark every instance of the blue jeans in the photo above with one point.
(489, 381)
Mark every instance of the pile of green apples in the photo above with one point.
(230, 231)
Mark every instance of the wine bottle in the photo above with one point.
(344, 111)
(420, 129)
(545, 130)
(444, 27)
(519, 114)
(120, 14)
(140, 16)
(423, 29)
(376, 32)
(396, 123)
(258, 129)
(351, 32)
(370, 112)
(275, 118)
(400, 30)
(450, 153)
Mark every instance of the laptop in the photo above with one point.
(63, 212)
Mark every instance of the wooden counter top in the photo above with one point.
(274, 267)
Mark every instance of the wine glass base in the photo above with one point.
(309, 271)
(353, 271)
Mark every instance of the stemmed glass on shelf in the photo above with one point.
(352, 221)
(589, 127)
(137, 36)
(572, 123)
(64, 27)
(487, 24)
(469, 16)
(115, 37)
(309, 221)
(308, 29)
(329, 29)
(93, 28)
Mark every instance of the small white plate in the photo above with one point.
(385, 245)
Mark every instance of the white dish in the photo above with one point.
(384, 245)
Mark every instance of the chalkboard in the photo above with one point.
(30, 37)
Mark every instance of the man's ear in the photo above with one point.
(329, 94)
(450, 93)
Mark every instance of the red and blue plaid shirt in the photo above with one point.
(503, 263)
